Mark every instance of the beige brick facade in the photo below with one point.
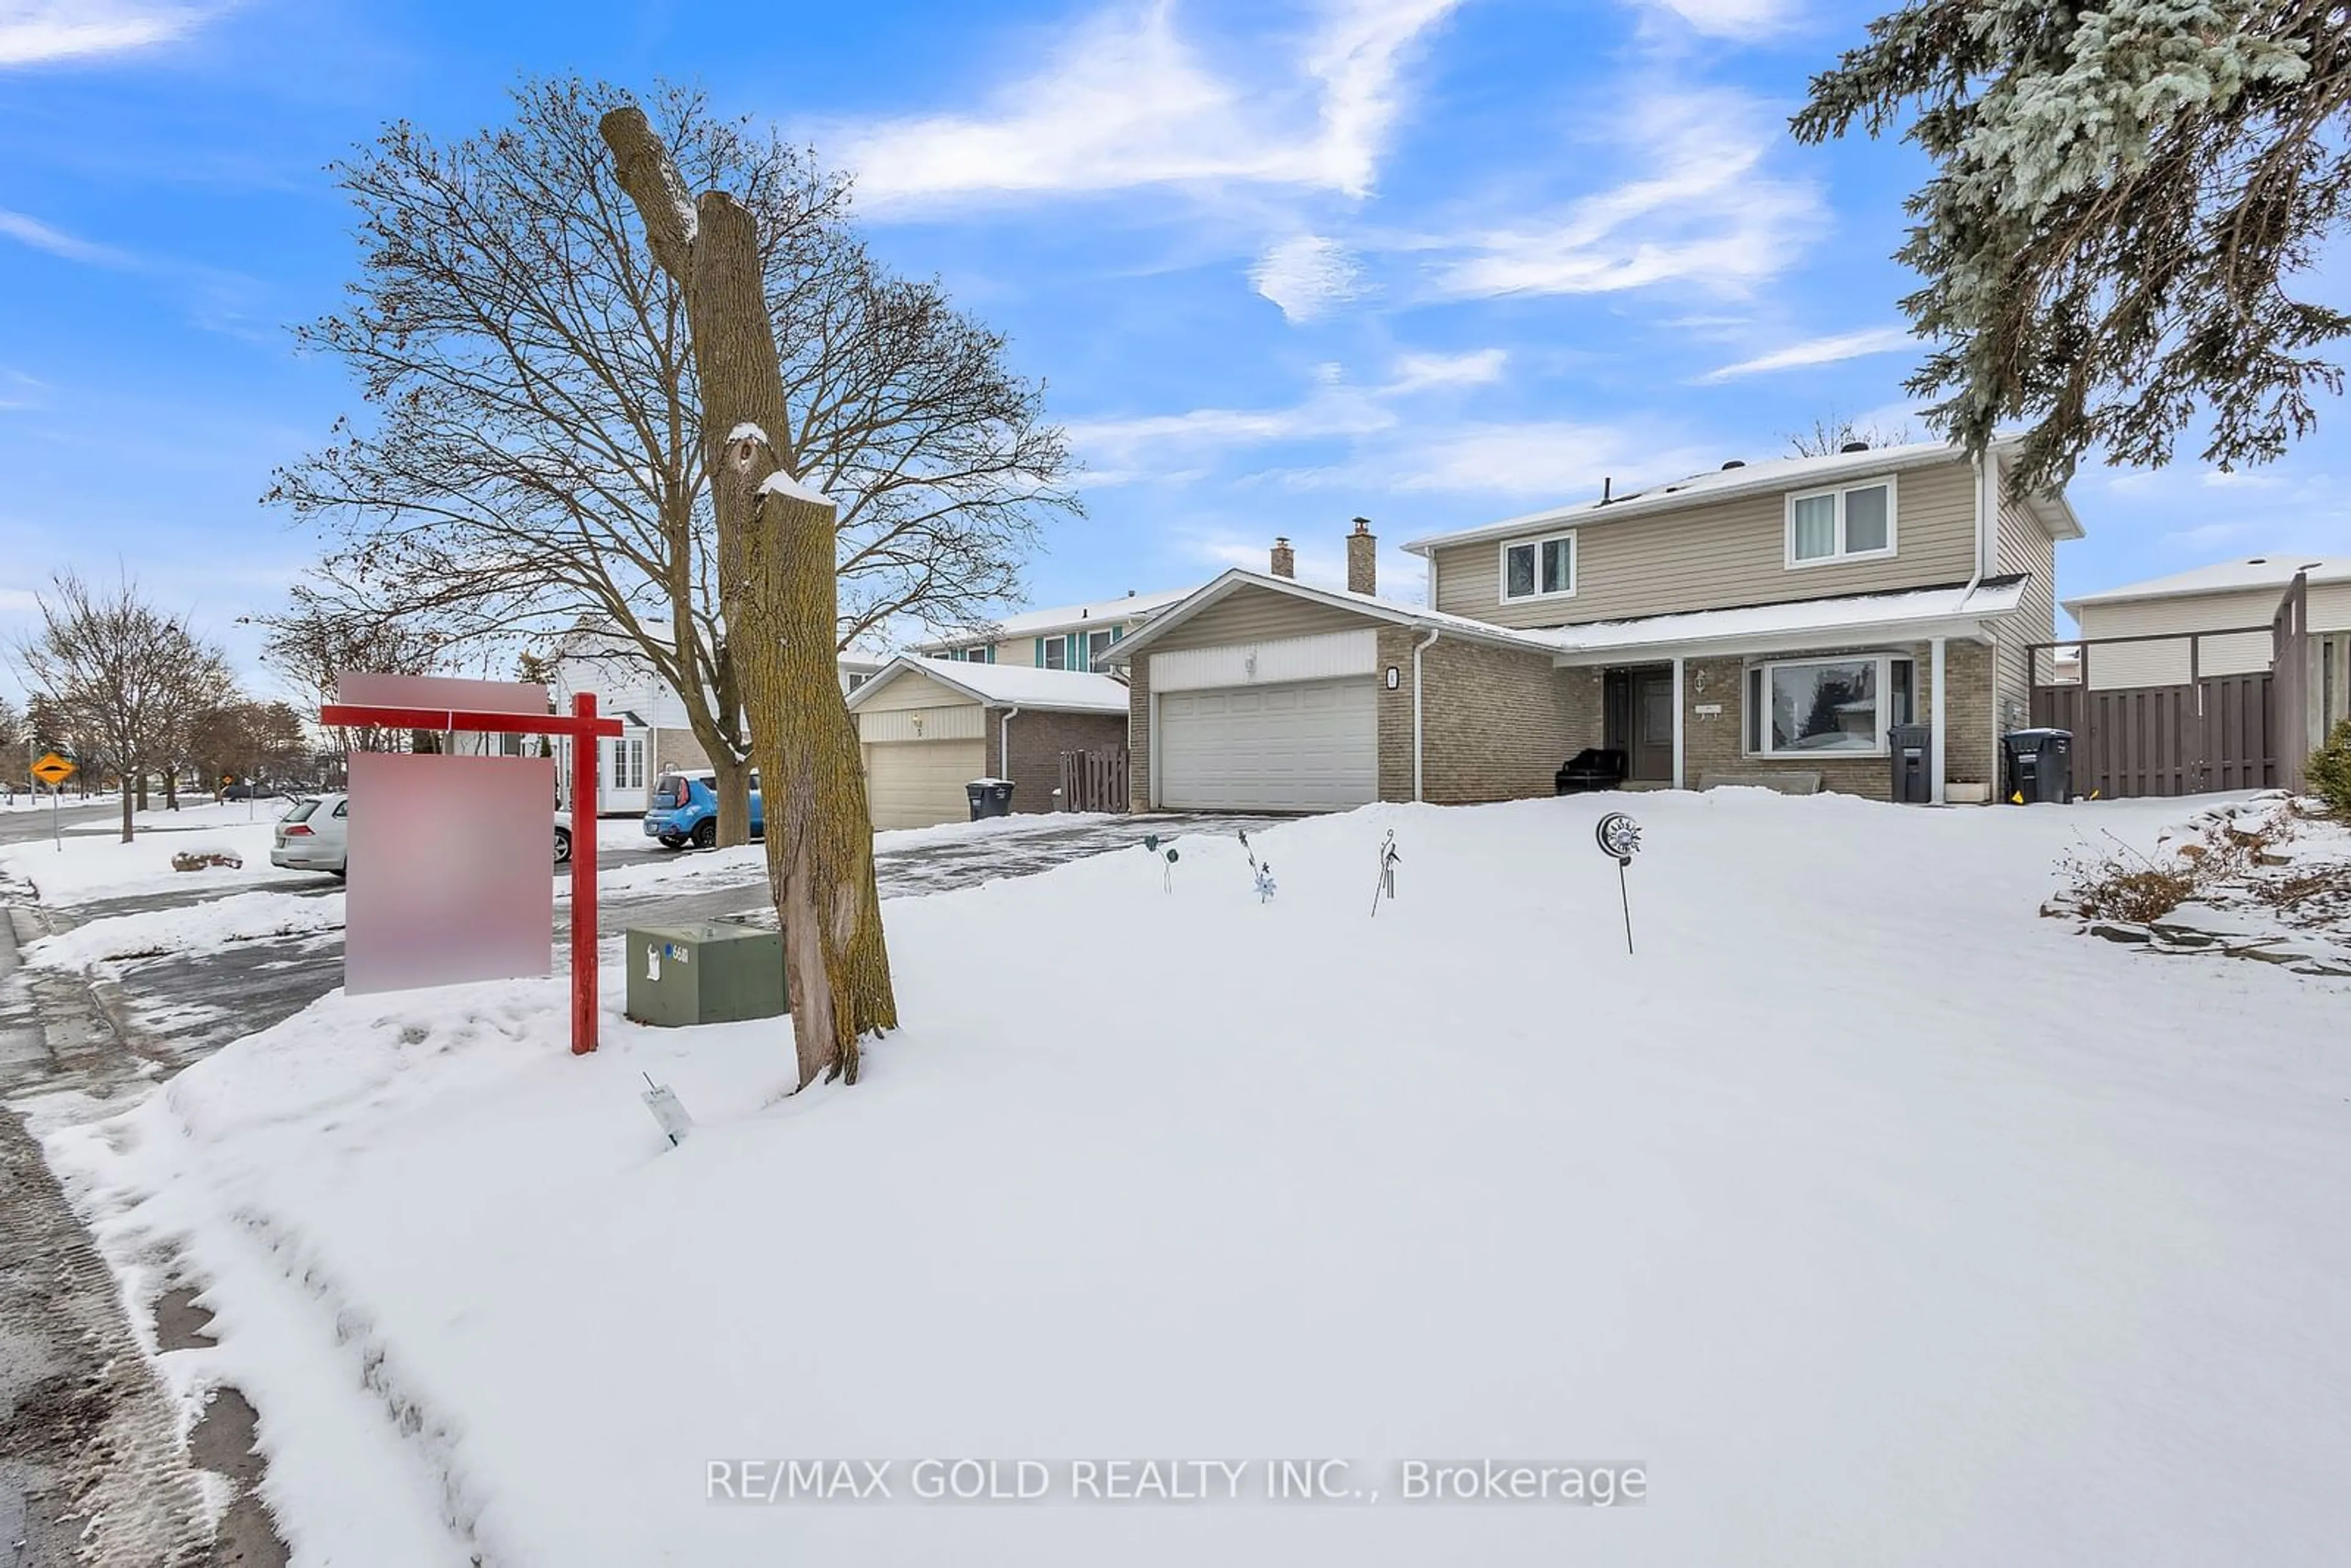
(1499, 724)
(1138, 734)
(676, 749)
(1039, 738)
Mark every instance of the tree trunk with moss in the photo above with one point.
(780, 600)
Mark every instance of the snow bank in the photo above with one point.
(1879, 1218)
(96, 864)
(204, 927)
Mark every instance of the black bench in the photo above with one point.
(1593, 767)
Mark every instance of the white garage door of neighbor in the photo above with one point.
(1304, 748)
(917, 783)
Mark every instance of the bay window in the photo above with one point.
(1851, 522)
(1814, 707)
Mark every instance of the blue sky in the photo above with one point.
(1431, 262)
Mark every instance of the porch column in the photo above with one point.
(1939, 730)
(1679, 724)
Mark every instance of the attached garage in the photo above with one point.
(927, 727)
(1305, 745)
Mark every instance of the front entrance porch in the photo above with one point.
(1637, 709)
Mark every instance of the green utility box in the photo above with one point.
(711, 972)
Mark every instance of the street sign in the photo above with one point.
(53, 769)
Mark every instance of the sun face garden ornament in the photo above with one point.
(1619, 838)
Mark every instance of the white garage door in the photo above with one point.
(916, 783)
(1310, 746)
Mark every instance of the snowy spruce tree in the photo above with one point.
(2121, 201)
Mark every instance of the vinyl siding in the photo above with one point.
(2166, 663)
(912, 691)
(1721, 556)
(1257, 615)
(2022, 545)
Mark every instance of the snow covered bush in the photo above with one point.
(2329, 770)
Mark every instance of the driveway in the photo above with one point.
(183, 1006)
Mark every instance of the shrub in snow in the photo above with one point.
(2329, 771)
(198, 859)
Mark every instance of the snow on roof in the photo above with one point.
(1008, 686)
(2254, 571)
(1386, 608)
(1065, 618)
(1854, 612)
(1770, 473)
(610, 642)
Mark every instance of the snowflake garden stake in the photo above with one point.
(1264, 873)
(1619, 836)
(1168, 871)
(1386, 886)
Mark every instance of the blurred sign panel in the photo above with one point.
(452, 860)
(441, 691)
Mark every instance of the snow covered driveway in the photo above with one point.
(1875, 1218)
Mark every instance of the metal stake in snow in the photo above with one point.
(1620, 836)
(1386, 886)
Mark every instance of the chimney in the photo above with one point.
(1363, 557)
(1285, 559)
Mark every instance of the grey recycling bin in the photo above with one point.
(1912, 747)
(2040, 764)
(714, 971)
(989, 798)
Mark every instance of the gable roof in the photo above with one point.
(1062, 618)
(2275, 571)
(1007, 685)
(1386, 610)
(1768, 475)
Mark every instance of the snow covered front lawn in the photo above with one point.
(1876, 1218)
(92, 863)
(204, 927)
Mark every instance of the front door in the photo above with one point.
(1653, 727)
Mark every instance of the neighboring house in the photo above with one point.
(1073, 637)
(1763, 624)
(930, 726)
(655, 736)
(2239, 597)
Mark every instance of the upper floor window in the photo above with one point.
(1053, 653)
(1854, 522)
(1538, 568)
(1097, 644)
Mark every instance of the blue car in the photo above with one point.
(685, 809)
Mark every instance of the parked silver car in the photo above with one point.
(316, 836)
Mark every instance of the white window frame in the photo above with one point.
(1574, 568)
(1109, 639)
(1842, 555)
(1755, 728)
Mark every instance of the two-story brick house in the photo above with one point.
(1764, 622)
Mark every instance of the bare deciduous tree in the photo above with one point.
(777, 554)
(322, 635)
(1829, 434)
(538, 460)
(117, 674)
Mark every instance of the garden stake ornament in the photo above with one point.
(1619, 836)
(1166, 872)
(1264, 873)
(1386, 886)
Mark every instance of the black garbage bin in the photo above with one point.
(989, 798)
(1593, 767)
(1912, 747)
(2040, 764)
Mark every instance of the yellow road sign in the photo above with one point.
(53, 769)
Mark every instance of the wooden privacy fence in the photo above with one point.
(2243, 730)
(1095, 781)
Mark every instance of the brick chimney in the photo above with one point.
(1363, 555)
(1285, 559)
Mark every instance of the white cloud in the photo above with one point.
(1306, 275)
(1416, 372)
(1542, 460)
(19, 390)
(1728, 18)
(1820, 352)
(34, 31)
(1127, 103)
(31, 231)
(1702, 211)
